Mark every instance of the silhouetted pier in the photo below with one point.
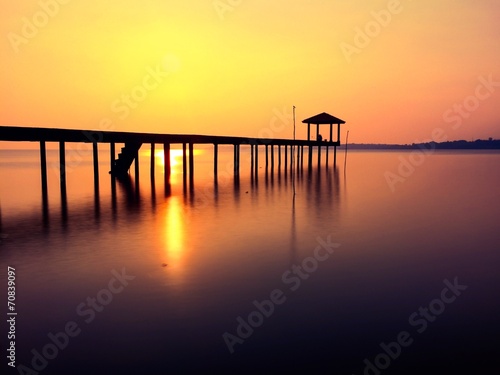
(132, 142)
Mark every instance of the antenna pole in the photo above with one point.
(345, 157)
(293, 155)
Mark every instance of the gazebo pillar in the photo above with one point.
(331, 127)
(308, 132)
(317, 131)
(338, 132)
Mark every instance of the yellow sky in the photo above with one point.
(394, 70)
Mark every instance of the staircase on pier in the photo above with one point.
(130, 152)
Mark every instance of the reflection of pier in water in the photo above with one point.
(320, 186)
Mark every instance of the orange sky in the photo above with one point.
(204, 66)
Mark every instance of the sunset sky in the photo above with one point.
(393, 70)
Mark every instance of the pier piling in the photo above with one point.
(111, 155)
(184, 164)
(191, 164)
(309, 157)
(136, 164)
(272, 157)
(256, 159)
(152, 161)
(43, 168)
(286, 157)
(166, 160)
(279, 157)
(62, 167)
(166, 168)
(95, 152)
(236, 159)
(267, 156)
(216, 159)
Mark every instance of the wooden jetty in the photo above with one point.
(132, 142)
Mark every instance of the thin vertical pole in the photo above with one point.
(345, 156)
(292, 160)
(286, 157)
(43, 168)
(96, 165)
(62, 176)
(308, 131)
(191, 164)
(331, 135)
(310, 157)
(166, 160)
(166, 168)
(252, 161)
(235, 159)
(272, 157)
(216, 159)
(298, 156)
(256, 159)
(62, 169)
(136, 164)
(113, 180)
(152, 160)
(184, 162)
(267, 156)
(96, 178)
(136, 173)
(112, 155)
(238, 157)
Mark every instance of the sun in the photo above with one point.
(175, 157)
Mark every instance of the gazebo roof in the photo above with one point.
(323, 118)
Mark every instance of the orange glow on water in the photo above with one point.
(174, 235)
(175, 157)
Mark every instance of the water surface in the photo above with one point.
(199, 257)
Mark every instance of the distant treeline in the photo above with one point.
(490, 144)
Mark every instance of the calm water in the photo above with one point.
(197, 262)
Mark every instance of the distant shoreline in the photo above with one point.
(450, 145)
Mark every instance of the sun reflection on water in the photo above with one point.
(175, 234)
